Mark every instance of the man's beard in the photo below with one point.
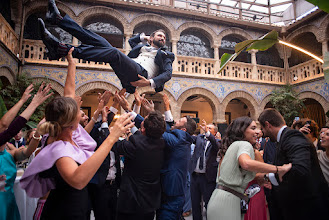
(158, 43)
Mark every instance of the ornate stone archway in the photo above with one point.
(264, 103)
(95, 85)
(54, 84)
(35, 6)
(235, 31)
(105, 11)
(206, 94)
(246, 98)
(311, 95)
(204, 28)
(7, 72)
(308, 28)
(154, 18)
(324, 28)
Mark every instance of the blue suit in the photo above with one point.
(96, 48)
(173, 172)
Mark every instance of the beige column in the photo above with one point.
(127, 46)
(216, 57)
(324, 46)
(254, 72)
(174, 50)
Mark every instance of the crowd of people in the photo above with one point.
(152, 167)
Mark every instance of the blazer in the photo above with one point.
(163, 59)
(210, 155)
(140, 189)
(177, 156)
(303, 193)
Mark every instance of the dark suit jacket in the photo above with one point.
(21, 143)
(303, 193)
(211, 155)
(163, 59)
(140, 190)
(177, 156)
(99, 136)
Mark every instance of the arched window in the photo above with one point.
(31, 29)
(108, 28)
(194, 43)
(228, 45)
(269, 57)
(308, 42)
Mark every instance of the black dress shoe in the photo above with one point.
(56, 50)
(53, 16)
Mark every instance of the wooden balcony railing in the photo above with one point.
(8, 36)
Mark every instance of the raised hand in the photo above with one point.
(138, 98)
(203, 126)
(122, 101)
(26, 95)
(42, 94)
(122, 124)
(148, 105)
(166, 102)
(69, 56)
(142, 82)
(105, 96)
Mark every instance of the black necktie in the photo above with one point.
(202, 156)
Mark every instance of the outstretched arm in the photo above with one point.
(11, 114)
(79, 176)
(69, 88)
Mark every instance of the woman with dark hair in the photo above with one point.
(237, 169)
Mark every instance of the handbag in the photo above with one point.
(244, 198)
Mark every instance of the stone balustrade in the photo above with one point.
(305, 71)
(34, 51)
(8, 36)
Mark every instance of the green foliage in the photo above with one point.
(322, 4)
(285, 100)
(261, 44)
(13, 93)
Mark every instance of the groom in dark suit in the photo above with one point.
(303, 192)
(145, 65)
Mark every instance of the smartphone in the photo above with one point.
(296, 118)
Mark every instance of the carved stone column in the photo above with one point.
(216, 57)
(174, 50)
(127, 46)
(75, 41)
(254, 72)
(324, 46)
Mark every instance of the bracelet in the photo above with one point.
(277, 169)
(37, 138)
(92, 118)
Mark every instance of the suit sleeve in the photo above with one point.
(134, 41)
(171, 139)
(127, 148)
(298, 153)
(214, 143)
(166, 72)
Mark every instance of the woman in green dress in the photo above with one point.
(237, 169)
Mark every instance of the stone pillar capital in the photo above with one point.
(252, 51)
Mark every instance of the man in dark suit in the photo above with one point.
(18, 140)
(140, 190)
(303, 192)
(145, 65)
(204, 167)
(103, 187)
